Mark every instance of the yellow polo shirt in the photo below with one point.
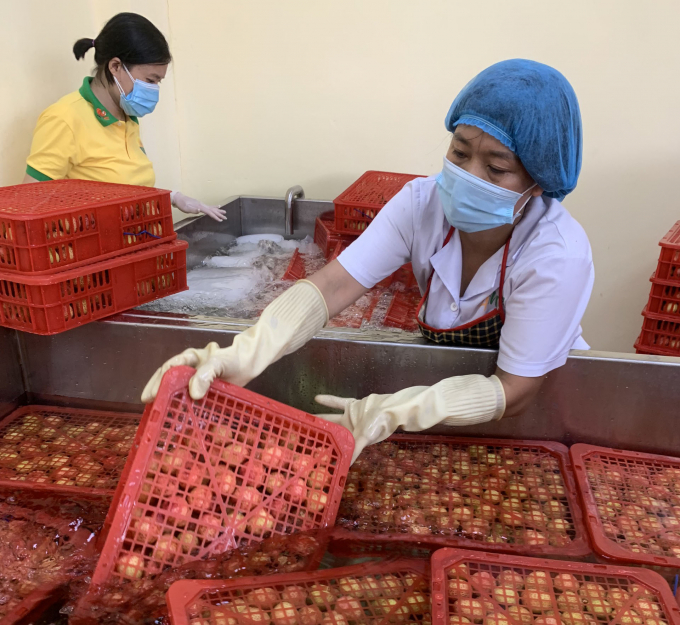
(77, 137)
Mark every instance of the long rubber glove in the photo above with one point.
(193, 207)
(285, 325)
(463, 400)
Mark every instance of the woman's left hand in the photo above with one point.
(189, 205)
(458, 401)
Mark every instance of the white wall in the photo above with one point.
(264, 94)
(36, 41)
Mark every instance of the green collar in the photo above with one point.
(103, 116)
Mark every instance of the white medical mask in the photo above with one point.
(472, 204)
(141, 100)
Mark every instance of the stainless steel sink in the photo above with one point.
(619, 400)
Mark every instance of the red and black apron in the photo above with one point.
(482, 332)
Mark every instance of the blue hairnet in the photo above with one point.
(532, 110)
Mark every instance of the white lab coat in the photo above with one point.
(548, 282)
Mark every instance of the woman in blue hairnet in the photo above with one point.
(500, 262)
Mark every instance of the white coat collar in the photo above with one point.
(448, 261)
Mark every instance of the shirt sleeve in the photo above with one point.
(53, 150)
(387, 242)
(543, 315)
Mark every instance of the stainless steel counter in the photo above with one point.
(610, 399)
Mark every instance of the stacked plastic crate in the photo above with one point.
(74, 251)
(661, 326)
(232, 469)
(354, 209)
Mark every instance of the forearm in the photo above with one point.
(519, 391)
(28, 178)
(338, 287)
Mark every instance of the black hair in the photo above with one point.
(130, 37)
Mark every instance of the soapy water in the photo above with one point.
(240, 279)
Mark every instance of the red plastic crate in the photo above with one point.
(437, 491)
(669, 257)
(402, 311)
(338, 249)
(357, 206)
(213, 474)
(664, 298)
(660, 335)
(56, 303)
(361, 311)
(367, 594)
(296, 268)
(616, 485)
(58, 224)
(403, 276)
(48, 450)
(325, 235)
(497, 589)
(145, 602)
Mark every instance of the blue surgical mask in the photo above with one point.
(141, 100)
(472, 204)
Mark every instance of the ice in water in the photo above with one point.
(240, 279)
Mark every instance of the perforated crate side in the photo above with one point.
(620, 489)
(668, 267)
(402, 311)
(491, 587)
(60, 224)
(325, 235)
(664, 298)
(336, 251)
(370, 594)
(54, 303)
(296, 267)
(357, 206)
(209, 475)
(660, 335)
(415, 489)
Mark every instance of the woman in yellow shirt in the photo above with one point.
(93, 133)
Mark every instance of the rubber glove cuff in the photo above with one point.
(285, 325)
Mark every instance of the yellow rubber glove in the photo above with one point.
(285, 325)
(463, 400)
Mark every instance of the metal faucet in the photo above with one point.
(294, 193)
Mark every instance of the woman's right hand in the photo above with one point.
(210, 362)
(284, 326)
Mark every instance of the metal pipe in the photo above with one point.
(294, 193)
